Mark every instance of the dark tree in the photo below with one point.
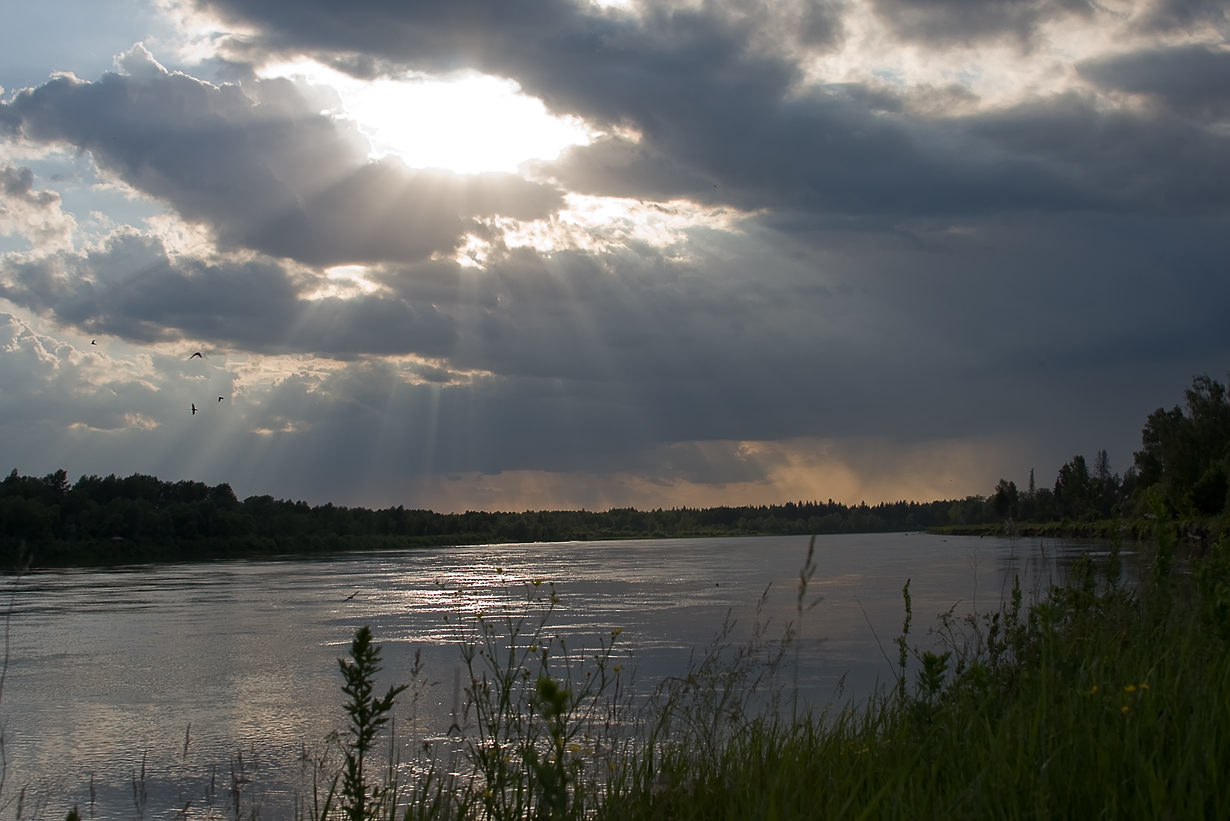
(1073, 490)
(1006, 499)
(1186, 457)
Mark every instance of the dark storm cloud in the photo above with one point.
(856, 151)
(1192, 80)
(488, 425)
(960, 22)
(832, 155)
(606, 363)
(1176, 15)
(1120, 161)
(906, 265)
(374, 37)
(673, 352)
(617, 167)
(1006, 310)
(264, 169)
(723, 118)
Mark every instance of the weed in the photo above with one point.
(368, 713)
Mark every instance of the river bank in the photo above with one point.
(1197, 534)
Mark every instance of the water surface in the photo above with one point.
(180, 669)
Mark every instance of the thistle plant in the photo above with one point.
(368, 714)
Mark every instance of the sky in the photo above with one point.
(543, 254)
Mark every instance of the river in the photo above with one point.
(182, 671)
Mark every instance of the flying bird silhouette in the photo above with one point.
(194, 408)
(351, 596)
(195, 355)
(93, 341)
(219, 398)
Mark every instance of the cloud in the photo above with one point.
(53, 386)
(34, 215)
(1188, 80)
(781, 271)
(1118, 160)
(132, 288)
(699, 106)
(263, 169)
(1177, 15)
(651, 351)
(730, 473)
(956, 22)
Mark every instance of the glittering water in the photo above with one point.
(186, 670)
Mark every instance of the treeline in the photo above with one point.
(140, 518)
(1182, 472)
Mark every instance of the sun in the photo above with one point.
(466, 123)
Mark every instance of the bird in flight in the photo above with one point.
(93, 341)
(351, 596)
(194, 408)
(195, 355)
(219, 398)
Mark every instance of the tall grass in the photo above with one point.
(1102, 700)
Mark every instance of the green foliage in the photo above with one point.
(1184, 463)
(1101, 701)
(368, 713)
(112, 520)
(1186, 456)
(540, 746)
(903, 641)
(1006, 499)
(1073, 490)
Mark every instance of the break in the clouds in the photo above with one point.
(263, 169)
(860, 250)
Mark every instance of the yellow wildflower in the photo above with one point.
(1125, 709)
(1131, 688)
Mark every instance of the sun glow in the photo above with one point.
(344, 282)
(467, 124)
(594, 223)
